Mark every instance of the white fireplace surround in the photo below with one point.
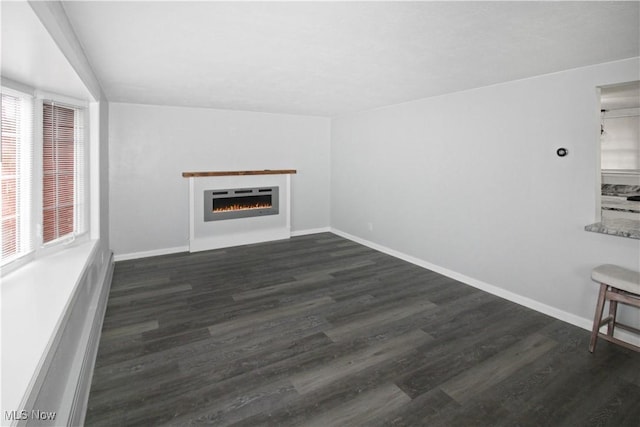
(206, 235)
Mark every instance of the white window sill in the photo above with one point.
(34, 299)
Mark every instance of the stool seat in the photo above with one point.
(617, 285)
(618, 277)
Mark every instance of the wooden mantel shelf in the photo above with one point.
(236, 173)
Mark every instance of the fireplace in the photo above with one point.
(240, 203)
(260, 202)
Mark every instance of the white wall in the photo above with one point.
(150, 146)
(470, 182)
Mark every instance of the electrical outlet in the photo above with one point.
(370, 226)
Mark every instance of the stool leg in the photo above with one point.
(598, 317)
(613, 311)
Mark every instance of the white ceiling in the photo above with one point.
(331, 58)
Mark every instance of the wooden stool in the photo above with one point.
(617, 285)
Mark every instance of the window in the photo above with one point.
(44, 198)
(15, 175)
(62, 172)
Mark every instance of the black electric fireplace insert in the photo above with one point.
(240, 203)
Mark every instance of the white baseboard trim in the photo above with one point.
(310, 231)
(154, 252)
(178, 249)
(581, 322)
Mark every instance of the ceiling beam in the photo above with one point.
(56, 22)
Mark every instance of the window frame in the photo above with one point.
(43, 249)
(81, 194)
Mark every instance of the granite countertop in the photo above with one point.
(617, 227)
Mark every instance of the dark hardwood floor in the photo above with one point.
(321, 331)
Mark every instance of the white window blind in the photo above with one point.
(16, 175)
(63, 172)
